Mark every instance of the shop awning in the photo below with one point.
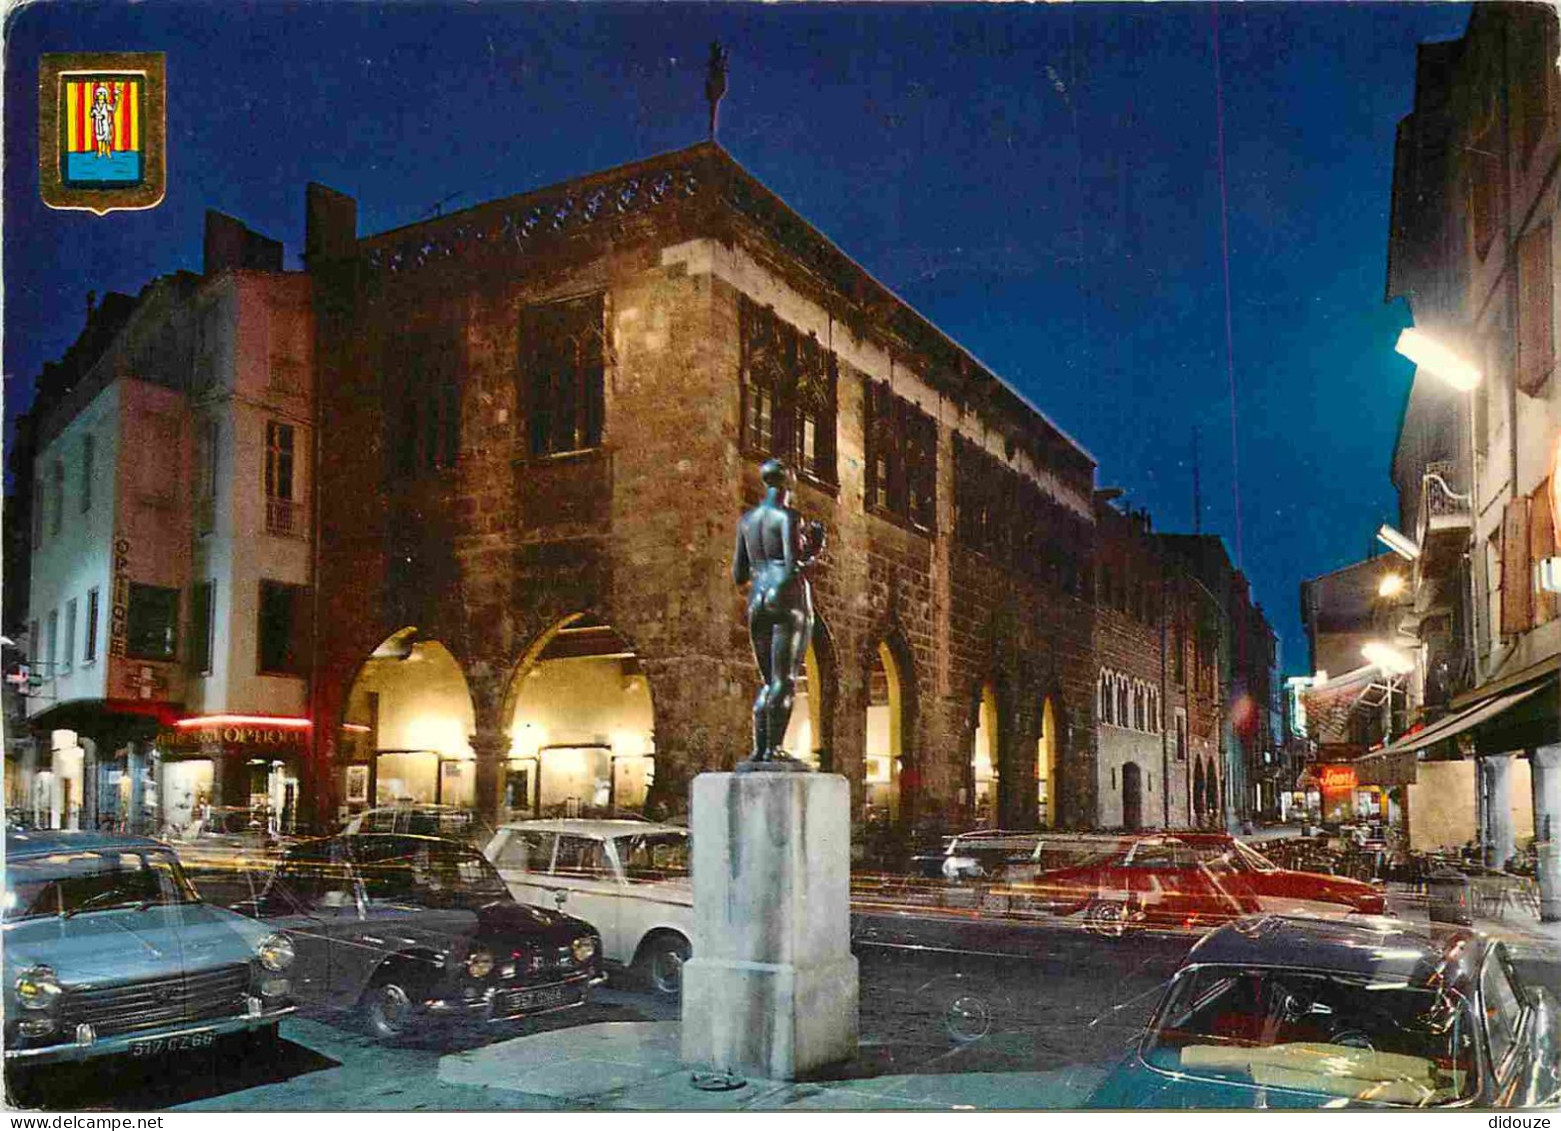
(1456, 724)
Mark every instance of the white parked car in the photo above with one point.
(628, 879)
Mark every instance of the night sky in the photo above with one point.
(1041, 181)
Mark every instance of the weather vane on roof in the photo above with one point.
(715, 81)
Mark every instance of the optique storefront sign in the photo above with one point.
(198, 738)
(119, 598)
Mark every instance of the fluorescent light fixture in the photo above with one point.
(1399, 542)
(1432, 355)
(1392, 585)
(1388, 658)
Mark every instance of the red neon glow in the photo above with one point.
(245, 720)
(1336, 778)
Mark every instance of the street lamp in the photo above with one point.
(1432, 355)
(1399, 542)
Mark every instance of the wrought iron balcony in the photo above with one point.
(1446, 517)
(285, 518)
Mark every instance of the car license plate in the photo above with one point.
(177, 1043)
(547, 997)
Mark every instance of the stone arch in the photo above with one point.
(983, 759)
(891, 770)
(576, 730)
(406, 730)
(1048, 751)
(811, 732)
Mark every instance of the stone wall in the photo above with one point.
(490, 555)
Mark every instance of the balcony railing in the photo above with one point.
(1446, 516)
(285, 518)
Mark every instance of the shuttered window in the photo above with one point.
(787, 385)
(1517, 579)
(902, 457)
(1542, 545)
(563, 360)
(1536, 312)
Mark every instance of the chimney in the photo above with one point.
(230, 245)
(330, 225)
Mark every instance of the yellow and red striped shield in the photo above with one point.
(122, 97)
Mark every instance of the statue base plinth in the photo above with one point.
(772, 988)
(782, 765)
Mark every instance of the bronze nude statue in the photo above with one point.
(774, 549)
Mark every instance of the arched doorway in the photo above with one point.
(406, 727)
(582, 735)
(1132, 796)
(885, 737)
(983, 760)
(1046, 767)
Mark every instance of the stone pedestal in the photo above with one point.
(771, 990)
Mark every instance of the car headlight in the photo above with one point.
(37, 988)
(479, 963)
(583, 948)
(275, 953)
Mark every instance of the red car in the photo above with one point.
(1189, 880)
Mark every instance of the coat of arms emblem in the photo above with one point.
(101, 131)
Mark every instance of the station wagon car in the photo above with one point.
(406, 929)
(108, 949)
(1284, 1012)
(629, 878)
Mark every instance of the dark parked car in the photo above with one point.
(1189, 880)
(108, 949)
(406, 928)
(1284, 1012)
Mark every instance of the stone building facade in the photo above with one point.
(1159, 692)
(558, 403)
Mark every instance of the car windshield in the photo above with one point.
(1231, 856)
(432, 875)
(1255, 859)
(69, 883)
(647, 857)
(1345, 1037)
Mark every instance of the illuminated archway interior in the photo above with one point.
(411, 713)
(1046, 767)
(983, 759)
(806, 726)
(885, 737)
(582, 739)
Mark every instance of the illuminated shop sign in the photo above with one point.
(1336, 779)
(119, 598)
(198, 734)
